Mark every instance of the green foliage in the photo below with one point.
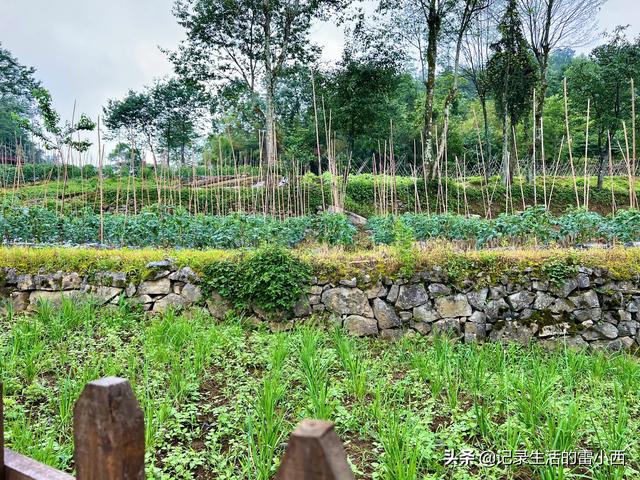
(557, 270)
(533, 225)
(177, 228)
(421, 396)
(511, 68)
(316, 374)
(170, 227)
(603, 78)
(16, 101)
(333, 229)
(271, 278)
(624, 225)
(52, 132)
(404, 247)
(165, 117)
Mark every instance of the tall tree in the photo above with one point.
(181, 110)
(464, 19)
(438, 17)
(247, 40)
(165, 117)
(604, 79)
(56, 135)
(135, 116)
(368, 91)
(126, 159)
(512, 74)
(17, 103)
(435, 13)
(552, 24)
(477, 50)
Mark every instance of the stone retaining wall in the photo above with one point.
(589, 309)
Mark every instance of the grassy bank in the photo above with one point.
(337, 263)
(219, 399)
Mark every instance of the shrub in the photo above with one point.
(270, 278)
(623, 226)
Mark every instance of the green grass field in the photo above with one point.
(220, 399)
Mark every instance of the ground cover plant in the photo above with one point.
(220, 398)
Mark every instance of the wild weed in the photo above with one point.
(351, 363)
(613, 436)
(265, 430)
(400, 457)
(316, 374)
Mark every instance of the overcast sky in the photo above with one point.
(88, 51)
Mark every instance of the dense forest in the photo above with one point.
(494, 85)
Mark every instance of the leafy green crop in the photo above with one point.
(171, 228)
(534, 225)
(176, 227)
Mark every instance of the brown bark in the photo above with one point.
(434, 23)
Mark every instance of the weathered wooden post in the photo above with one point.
(108, 432)
(1, 433)
(314, 452)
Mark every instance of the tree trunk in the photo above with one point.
(270, 124)
(487, 136)
(270, 148)
(506, 161)
(601, 161)
(544, 84)
(453, 91)
(433, 22)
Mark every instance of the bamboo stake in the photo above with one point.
(484, 183)
(628, 163)
(315, 116)
(585, 200)
(569, 143)
(519, 172)
(613, 197)
(100, 185)
(633, 135)
(555, 173)
(424, 174)
(535, 190)
(414, 172)
(464, 184)
(544, 165)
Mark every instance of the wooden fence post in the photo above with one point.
(314, 452)
(1, 434)
(108, 432)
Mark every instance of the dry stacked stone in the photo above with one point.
(590, 309)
